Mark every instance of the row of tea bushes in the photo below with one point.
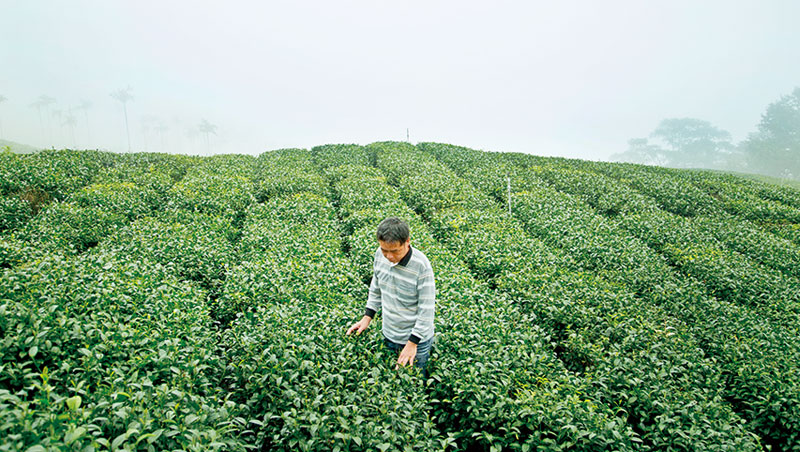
(789, 196)
(779, 216)
(38, 179)
(748, 239)
(742, 201)
(727, 274)
(79, 223)
(121, 355)
(757, 359)
(193, 246)
(332, 156)
(605, 194)
(612, 198)
(287, 171)
(708, 247)
(55, 174)
(424, 174)
(100, 352)
(305, 384)
(493, 386)
(670, 193)
(14, 212)
(81, 197)
(774, 209)
(124, 348)
(759, 379)
(222, 186)
(624, 346)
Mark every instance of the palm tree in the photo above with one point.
(124, 95)
(161, 128)
(207, 128)
(2, 99)
(85, 105)
(177, 126)
(147, 122)
(70, 121)
(43, 102)
(57, 114)
(191, 133)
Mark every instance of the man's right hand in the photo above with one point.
(360, 326)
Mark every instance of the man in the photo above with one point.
(403, 286)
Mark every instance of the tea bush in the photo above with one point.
(521, 399)
(595, 325)
(100, 352)
(161, 302)
(306, 385)
(14, 212)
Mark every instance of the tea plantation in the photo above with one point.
(161, 302)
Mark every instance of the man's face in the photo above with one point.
(394, 251)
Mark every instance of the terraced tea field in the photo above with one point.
(160, 302)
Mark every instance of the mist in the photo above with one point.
(575, 79)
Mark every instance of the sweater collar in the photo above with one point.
(406, 258)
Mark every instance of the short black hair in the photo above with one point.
(393, 229)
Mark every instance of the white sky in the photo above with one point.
(570, 78)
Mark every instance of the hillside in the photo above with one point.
(17, 147)
(162, 302)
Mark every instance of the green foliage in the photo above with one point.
(14, 212)
(287, 171)
(684, 143)
(306, 385)
(774, 149)
(600, 329)
(57, 173)
(522, 398)
(195, 247)
(123, 198)
(336, 155)
(70, 228)
(104, 352)
(670, 193)
(157, 302)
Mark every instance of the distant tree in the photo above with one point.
(85, 105)
(774, 149)
(2, 99)
(177, 126)
(640, 150)
(207, 128)
(161, 128)
(124, 96)
(683, 143)
(192, 133)
(43, 102)
(147, 122)
(693, 143)
(71, 122)
(57, 113)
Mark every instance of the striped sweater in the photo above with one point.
(406, 293)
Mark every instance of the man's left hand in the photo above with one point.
(407, 355)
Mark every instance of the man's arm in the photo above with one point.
(373, 306)
(426, 291)
(374, 298)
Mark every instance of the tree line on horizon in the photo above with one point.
(58, 125)
(772, 150)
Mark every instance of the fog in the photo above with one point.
(575, 78)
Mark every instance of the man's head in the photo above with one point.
(393, 238)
